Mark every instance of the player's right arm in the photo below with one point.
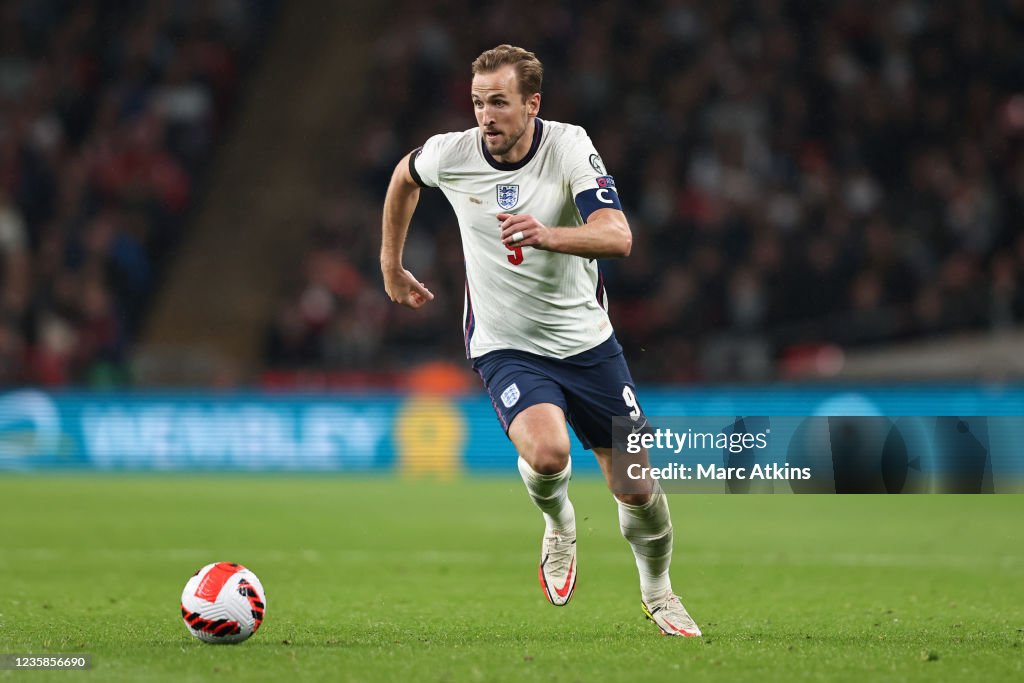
(399, 205)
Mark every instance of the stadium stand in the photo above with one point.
(109, 114)
(798, 175)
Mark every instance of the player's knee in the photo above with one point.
(633, 498)
(548, 458)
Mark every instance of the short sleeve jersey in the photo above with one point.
(528, 299)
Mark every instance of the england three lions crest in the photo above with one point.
(508, 196)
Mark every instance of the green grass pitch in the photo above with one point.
(388, 580)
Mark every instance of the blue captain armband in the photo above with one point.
(603, 196)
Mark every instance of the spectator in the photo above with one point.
(107, 113)
(796, 173)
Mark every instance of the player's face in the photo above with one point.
(503, 115)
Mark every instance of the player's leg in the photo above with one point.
(646, 524)
(599, 388)
(531, 408)
(540, 436)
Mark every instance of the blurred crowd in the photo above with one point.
(109, 112)
(796, 173)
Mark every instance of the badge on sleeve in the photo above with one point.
(604, 196)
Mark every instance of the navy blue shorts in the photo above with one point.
(590, 388)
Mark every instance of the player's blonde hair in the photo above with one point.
(529, 70)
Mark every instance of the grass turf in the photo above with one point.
(384, 579)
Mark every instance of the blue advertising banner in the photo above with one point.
(382, 432)
(819, 454)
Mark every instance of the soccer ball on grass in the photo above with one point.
(223, 603)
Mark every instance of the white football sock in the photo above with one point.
(648, 528)
(550, 493)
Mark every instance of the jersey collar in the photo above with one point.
(538, 129)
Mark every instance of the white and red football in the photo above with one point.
(223, 603)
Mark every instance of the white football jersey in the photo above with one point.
(543, 302)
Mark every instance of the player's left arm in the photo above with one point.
(605, 234)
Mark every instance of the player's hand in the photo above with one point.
(403, 288)
(534, 233)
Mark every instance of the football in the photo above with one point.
(223, 603)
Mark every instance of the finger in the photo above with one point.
(421, 289)
(512, 226)
(522, 236)
(415, 285)
(415, 300)
(512, 220)
(525, 238)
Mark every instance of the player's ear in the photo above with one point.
(533, 104)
